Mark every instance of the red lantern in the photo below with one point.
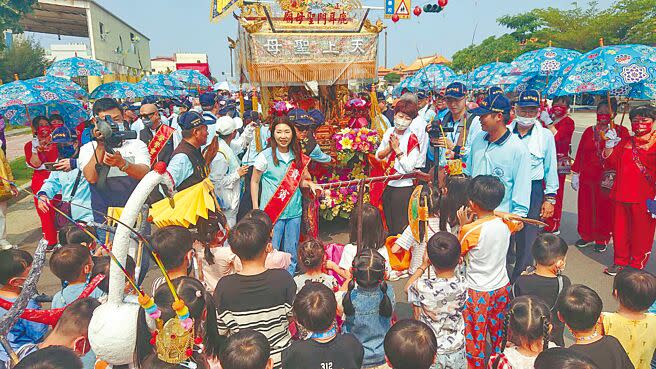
(442, 3)
(417, 11)
(395, 18)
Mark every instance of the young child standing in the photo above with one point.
(14, 267)
(72, 264)
(311, 257)
(580, 307)
(484, 244)
(546, 281)
(373, 238)
(632, 325)
(255, 297)
(410, 344)
(174, 245)
(439, 300)
(323, 347)
(368, 305)
(527, 326)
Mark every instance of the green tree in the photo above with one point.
(392, 78)
(11, 12)
(26, 58)
(503, 49)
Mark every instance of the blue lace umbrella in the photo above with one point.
(543, 62)
(412, 83)
(119, 90)
(151, 89)
(164, 80)
(76, 67)
(192, 77)
(31, 93)
(435, 76)
(606, 69)
(73, 113)
(499, 76)
(62, 83)
(481, 76)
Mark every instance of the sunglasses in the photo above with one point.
(147, 115)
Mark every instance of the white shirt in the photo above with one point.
(407, 242)
(227, 182)
(133, 151)
(486, 260)
(407, 162)
(241, 142)
(346, 262)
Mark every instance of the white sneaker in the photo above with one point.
(5, 245)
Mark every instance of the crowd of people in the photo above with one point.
(487, 282)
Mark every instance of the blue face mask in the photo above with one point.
(65, 151)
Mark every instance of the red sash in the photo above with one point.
(159, 140)
(286, 189)
(386, 168)
(50, 317)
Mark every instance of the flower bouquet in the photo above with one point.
(341, 201)
(355, 143)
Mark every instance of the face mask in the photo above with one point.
(642, 128)
(176, 110)
(558, 111)
(603, 118)
(148, 123)
(66, 151)
(401, 123)
(525, 122)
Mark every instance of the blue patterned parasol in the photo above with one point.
(119, 90)
(192, 77)
(543, 62)
(76, 67)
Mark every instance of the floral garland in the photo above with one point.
(351, 142)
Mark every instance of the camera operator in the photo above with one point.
(113, 163)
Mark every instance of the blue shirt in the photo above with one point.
(63, 182)
(24, 331)
(319, 156)
(506, 160)
(367, 324)
(541, 145)
(272, 175)
(180, 168)
(70, 293)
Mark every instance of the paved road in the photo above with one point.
(15, 145)
(583, 266)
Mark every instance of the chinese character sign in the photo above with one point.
(306, 47)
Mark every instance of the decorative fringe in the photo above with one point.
(330, 73)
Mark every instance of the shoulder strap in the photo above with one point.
(77, 182)
(638, 162)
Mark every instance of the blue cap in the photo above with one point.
(190, 120)
(421, 94)
(456, 90)
(380, 96)
(528, 98)
(300, 118)
(63, 135)
(249, 114)
(248, 105)
(207, 99)
(230, 106)
(494, 90)
(183, 103)
(317, 117)
(492, 104)
(149, 100)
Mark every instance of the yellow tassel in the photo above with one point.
(241, 104)
(255, 105)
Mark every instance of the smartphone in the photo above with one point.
(50, 166)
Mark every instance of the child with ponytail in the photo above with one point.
(368, 306)
(527, 326)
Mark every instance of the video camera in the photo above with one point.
(110, 134)
(435, 132)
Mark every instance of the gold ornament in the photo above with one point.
(174, 344)
(374, 28)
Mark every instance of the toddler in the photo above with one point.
(246, 349)
(311, 258)
(410, 344)
(72, 264)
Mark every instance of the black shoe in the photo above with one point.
(613, 270)
(582, 243)
(600, 247)
(41, 298)
(51, 248)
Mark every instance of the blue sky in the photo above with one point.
(183, 26)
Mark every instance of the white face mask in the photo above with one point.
(525, 122)
(401, 124)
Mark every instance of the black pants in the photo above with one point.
(525, 238)
(246, 203)
(395, 207)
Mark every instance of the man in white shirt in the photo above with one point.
(113, 173)
(226, 171)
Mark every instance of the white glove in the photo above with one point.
(545, 118)
(575, 181)
(35, 144)
(611, 138)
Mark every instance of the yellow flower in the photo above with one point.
(346, 143)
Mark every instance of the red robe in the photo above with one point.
(40, 175)
(563, 139)
(633, 227)
(595, 217)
